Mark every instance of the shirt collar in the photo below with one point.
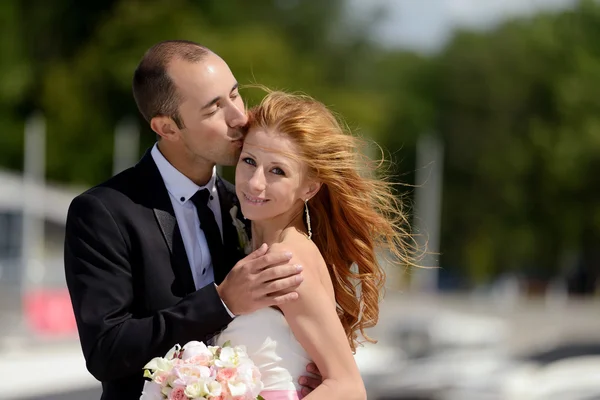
(178, 185)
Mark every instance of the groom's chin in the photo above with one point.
(230, 161)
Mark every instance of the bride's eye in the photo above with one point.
(249, 161)
(278, 171)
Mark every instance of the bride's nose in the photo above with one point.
(257, 181)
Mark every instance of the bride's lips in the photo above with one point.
(257, 201)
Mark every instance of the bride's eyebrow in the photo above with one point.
(282, 163)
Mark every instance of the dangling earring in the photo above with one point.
(307, 218)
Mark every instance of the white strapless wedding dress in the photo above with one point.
(272, 346)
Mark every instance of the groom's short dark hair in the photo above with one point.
(154, 92)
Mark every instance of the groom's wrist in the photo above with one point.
(232, 315)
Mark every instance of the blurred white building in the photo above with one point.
(30, 263)
(49, 209)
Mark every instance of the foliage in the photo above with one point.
(517, 106)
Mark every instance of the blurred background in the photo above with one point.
(489, 111)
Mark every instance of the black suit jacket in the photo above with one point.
(130, 282)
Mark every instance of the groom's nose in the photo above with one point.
(237, 117)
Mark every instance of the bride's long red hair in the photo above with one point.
(356, 218)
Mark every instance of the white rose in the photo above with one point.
(227, 358)
(214, 389)
(237, 389)
(194, 390)
(194, 348)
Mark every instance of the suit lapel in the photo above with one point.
(165, 217)
(233, 250)
(179, 261)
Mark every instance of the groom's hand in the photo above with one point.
(260, 280)
(309, 383)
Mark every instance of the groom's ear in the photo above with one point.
(164, 127)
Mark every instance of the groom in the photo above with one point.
(152, 256)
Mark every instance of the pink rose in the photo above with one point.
(200, 359)
(225, 374)
(178, 393)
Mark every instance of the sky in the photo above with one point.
(425, 25)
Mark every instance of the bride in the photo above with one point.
(302, 182)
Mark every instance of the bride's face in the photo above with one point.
(268, 182)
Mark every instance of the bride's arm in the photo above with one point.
(316, 325)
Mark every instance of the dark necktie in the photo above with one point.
(209, 225)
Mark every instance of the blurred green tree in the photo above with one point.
(516, 106)
(81, 59)
(520, 119)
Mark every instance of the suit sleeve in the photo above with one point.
(99, 277)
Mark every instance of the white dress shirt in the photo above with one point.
(181, 189)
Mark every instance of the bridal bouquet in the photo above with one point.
(200, 372)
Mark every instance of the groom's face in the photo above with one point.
(211, 110)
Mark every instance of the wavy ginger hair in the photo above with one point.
(353, 215)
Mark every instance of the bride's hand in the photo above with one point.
(310, 383)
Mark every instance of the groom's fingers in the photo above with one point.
(265, 261)
(247, 286)
(261, 251)
(309, 384)
(278, 272)
(282, 299)
(313, 369)
(281, 286)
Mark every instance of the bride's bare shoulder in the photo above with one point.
(314, 269)
(304, 251)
